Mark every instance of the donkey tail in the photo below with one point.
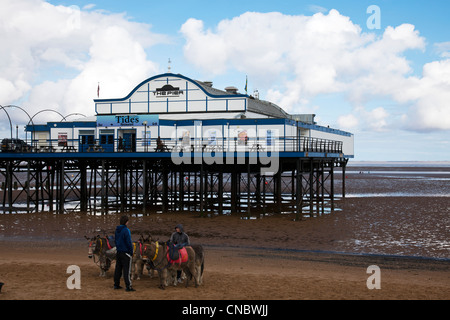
(203, 267)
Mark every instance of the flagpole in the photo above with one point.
(246, 82)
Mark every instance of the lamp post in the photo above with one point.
(228, 136)
(145, 135)
(176, 136)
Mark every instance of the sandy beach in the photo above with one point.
(402, 227)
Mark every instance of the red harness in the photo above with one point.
(91, 243)
(135, 247)
(183, 257)
(107, 243)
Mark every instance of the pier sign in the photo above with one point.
(127, 120)
(168, 91)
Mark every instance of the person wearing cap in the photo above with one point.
(124, 256)
(180, 239)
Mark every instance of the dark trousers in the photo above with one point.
(123, 266)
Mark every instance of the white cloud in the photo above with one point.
(296, 58)
(375, 120)
(212, 58)
(315, 8)
(89, 6)
(430, 98)
(443, 49)
(56, 55)
(347, 122)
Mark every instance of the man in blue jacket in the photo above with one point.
(124, 248)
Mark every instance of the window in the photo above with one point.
(62, 139)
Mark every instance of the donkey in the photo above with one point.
(137, 263)
(158, 254)
(102, 248)
(200, 261)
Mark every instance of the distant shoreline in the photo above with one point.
(433, 164)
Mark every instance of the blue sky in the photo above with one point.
(389, 86)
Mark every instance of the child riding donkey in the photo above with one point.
(178, 240)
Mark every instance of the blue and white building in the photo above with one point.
(187, 114)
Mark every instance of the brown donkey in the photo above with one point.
(137, 263)
(102, 248)
(157, 254)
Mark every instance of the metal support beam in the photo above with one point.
(150, 184)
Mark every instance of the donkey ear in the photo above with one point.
(87, 238)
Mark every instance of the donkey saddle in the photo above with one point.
(176, 254)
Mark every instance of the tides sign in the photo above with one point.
(128, 120)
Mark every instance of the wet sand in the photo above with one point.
(324, 257)
(38, 271)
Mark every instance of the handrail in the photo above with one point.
(211, 144)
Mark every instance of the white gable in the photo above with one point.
(170, 93)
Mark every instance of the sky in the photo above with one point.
(379, 69)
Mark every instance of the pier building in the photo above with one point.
(178, 144)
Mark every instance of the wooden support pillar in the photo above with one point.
(122, 189)
(93, 185)
(144, 187)
(311, 187)
(83, 186)
(321, 177)
(165, 183)
(234, 184)
(220, 192)
(49, 184)
(133, 177)
(343, 181)
(104, 188)
(152, 185)
(181, 189)
(138, 191)
(332, 186)
(293, 183)
(173, 189)
(299, 191)
(238, 192)
(37, 184)
(264, 183)
(277, 195)
(205, 191)
(61, 187)
(9, 186)
(317, 189)
(27, 187)
(195, 190)
(258, 190)
(202, 173)
(249, 180)
(170, 189)
(42, 185)
(188, 190)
